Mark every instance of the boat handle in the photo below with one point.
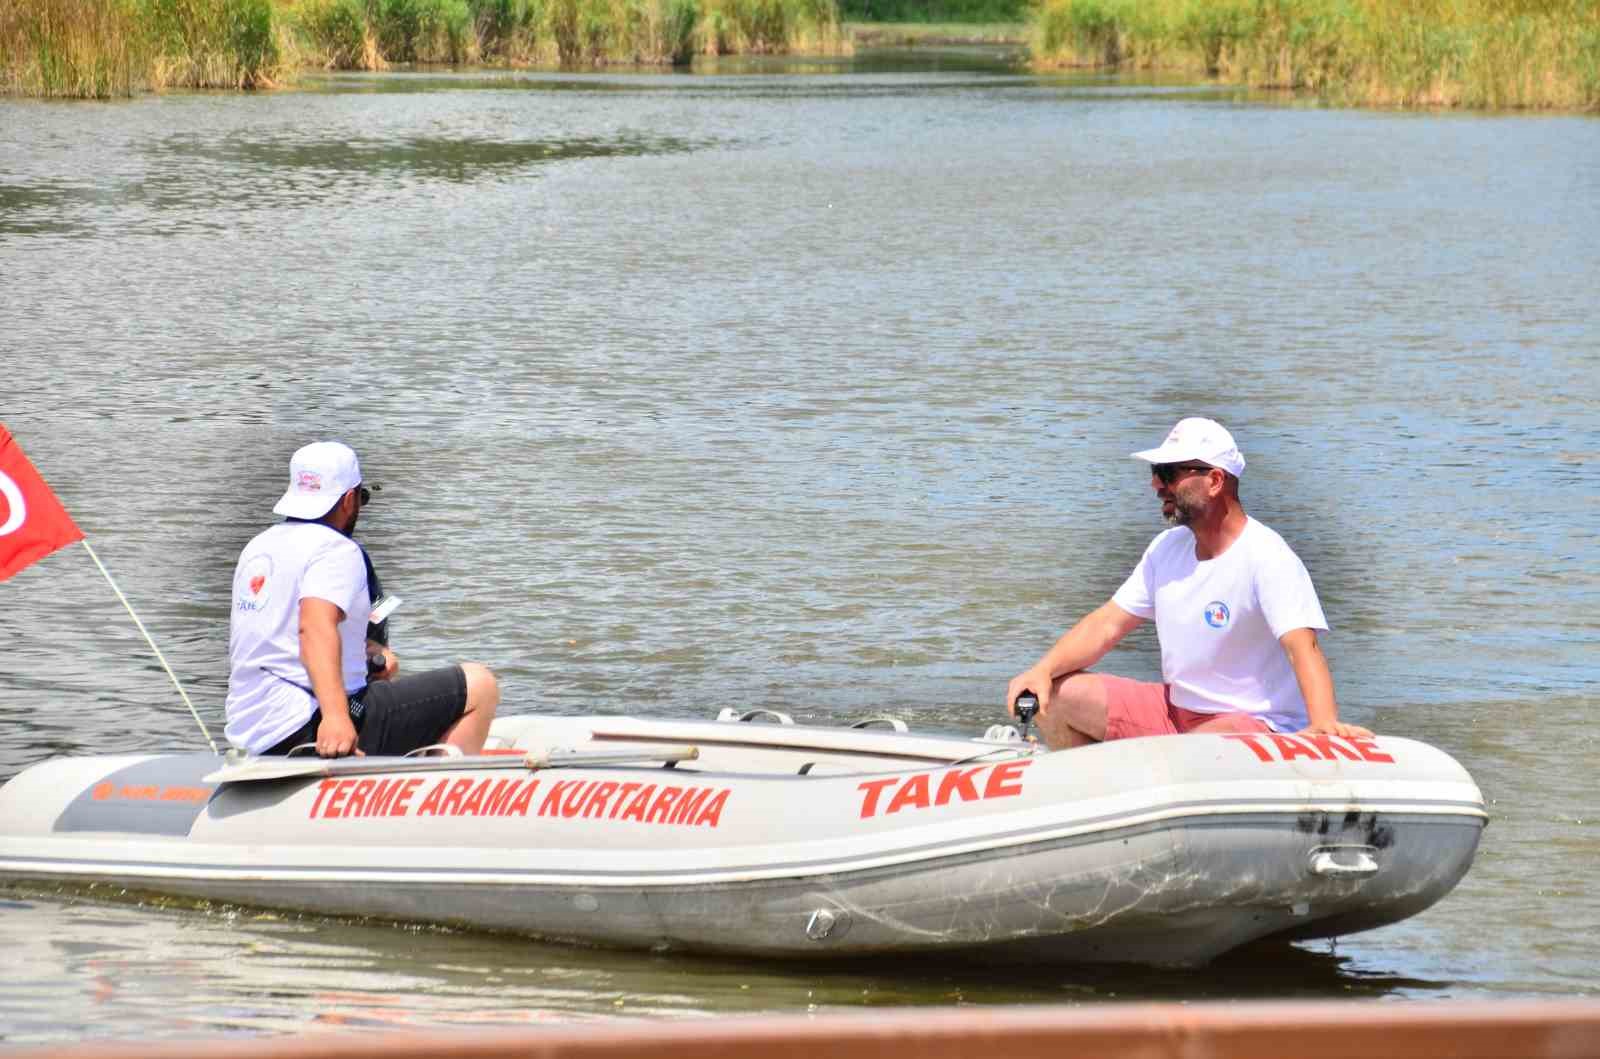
(730, 714)
(435, 750)
(893, 722)
(1344, 862)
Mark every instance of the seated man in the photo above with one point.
(298, 636)
(1235, 612)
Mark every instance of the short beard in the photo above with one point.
(1184, 512)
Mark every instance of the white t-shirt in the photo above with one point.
(1219, 621)
(269, 692)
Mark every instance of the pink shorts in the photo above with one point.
(1135, 708)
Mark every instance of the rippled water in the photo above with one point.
(808, 386)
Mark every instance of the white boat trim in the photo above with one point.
(1107, 826)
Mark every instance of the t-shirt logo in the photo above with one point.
(254, 589)
(1217, 614)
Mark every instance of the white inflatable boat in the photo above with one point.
(757, 836)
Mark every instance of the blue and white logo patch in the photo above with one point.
(1217, 614)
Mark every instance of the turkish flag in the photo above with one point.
(32, 521)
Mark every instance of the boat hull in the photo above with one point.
(1160, 851)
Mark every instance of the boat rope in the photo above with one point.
(147, 639)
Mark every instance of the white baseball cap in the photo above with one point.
(319, 474)
(1199, 440)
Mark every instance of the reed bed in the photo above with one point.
(104, 48)
(1468, 53)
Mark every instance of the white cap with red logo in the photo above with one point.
(319, 474)
(1199, 440)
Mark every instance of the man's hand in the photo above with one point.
(1338, 728)
(336, 737)
(1035, 680)
(391, 661)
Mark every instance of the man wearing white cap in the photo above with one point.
(298, 636)
(1234, 609)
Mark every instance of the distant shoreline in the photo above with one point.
(1472, 54)
(936, 34)
(1477, 54)
(102, 49)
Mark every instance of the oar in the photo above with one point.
(259, 769)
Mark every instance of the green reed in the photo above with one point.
(367, 34)
(70, 48)
(103, 48)
(1474, 53)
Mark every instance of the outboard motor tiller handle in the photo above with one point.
(1027, 705)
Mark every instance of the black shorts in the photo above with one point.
(399, 715)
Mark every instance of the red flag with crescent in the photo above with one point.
(32, 521)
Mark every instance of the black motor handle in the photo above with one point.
(1027, 706)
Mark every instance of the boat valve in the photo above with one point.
(826, 923)
(1027, 706)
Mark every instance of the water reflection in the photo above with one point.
(427, 158)
(138, 962)
(191, 178)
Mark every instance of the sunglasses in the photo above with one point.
(364, 495)
(1168, 473)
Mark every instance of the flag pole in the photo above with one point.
(147, 639)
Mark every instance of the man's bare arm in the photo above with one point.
(320, 651)
(1316, 683)
(1080, 647)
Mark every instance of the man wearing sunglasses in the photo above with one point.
(1235, 613)
(299, 640)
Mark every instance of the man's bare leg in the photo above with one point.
(471, 731)
(1076, 715)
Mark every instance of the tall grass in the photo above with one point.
(71, 48)
(364, 34)
(1474, 53)
(102, 48)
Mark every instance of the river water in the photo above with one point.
(807, 386)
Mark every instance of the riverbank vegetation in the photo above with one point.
(104, 48)
(101, 48)
(936, 34)
(1472, 53)
(935, 11)
(934, 23)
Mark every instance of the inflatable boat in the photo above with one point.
(750, 834)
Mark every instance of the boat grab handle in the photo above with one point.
(431, 750)
(1344, 862)
(565, 757)
(893, 722)
(435, 750)
(731, 714)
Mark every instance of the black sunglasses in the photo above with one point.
(365, 495)
(1171, 472)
